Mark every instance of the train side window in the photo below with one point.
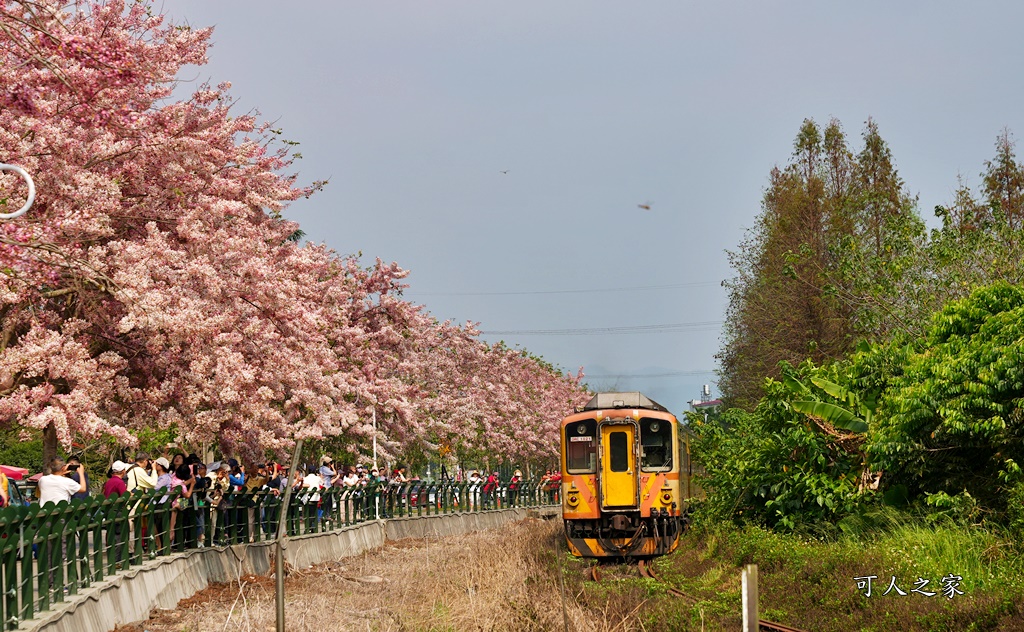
(655, 445)
(581, 447)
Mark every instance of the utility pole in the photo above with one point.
(282, 533)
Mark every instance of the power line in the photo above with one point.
(673, 286)
(668, 328)
(647, 375)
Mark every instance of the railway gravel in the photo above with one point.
(503, 579)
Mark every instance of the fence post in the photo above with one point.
(750, 616)
(12, 522)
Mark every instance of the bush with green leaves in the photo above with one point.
(952, 420)
(775, 466)
(941, 416)
(16, 451)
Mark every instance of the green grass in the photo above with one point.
(986, 561)
(808, 582)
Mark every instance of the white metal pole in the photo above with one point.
(750, 616)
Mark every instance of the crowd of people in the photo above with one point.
(195, 504)
(201, 487)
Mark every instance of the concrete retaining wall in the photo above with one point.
(306, 550)
(131, 595)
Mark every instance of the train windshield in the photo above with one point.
(655, 445)
(581, 447)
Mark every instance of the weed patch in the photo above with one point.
(809, 583)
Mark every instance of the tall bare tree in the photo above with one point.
(831, 259)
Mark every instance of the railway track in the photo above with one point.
(647, 570)
(775, 627)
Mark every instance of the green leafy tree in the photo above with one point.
(952, 418)
(775, 466)
(21, 451)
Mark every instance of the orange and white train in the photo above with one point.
(626, 477)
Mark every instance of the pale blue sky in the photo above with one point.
(414, 110)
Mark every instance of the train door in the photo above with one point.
(618, 466)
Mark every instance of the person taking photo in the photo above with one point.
(56, 486)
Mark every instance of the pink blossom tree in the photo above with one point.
(155, 283)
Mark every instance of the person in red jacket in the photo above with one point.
(489, 488)
(115, 486)
(518, 480)
(555, 487)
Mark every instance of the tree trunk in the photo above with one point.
(49, 446)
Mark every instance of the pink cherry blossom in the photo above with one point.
(154, 285)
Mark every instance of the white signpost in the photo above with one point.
(749, 586)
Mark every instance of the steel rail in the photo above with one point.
(647, 570)
(776, 627)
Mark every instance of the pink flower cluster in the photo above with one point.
(154, 284)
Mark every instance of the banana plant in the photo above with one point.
(835, 414)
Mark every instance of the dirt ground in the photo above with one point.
(505, 579)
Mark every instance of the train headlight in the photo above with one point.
(666, 496)
(573, 499)
(654, 426)
(581, 429)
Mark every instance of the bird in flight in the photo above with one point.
(505, 171)
(646, 206)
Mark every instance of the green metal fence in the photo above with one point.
(50, 553)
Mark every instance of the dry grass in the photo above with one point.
(504, 579)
